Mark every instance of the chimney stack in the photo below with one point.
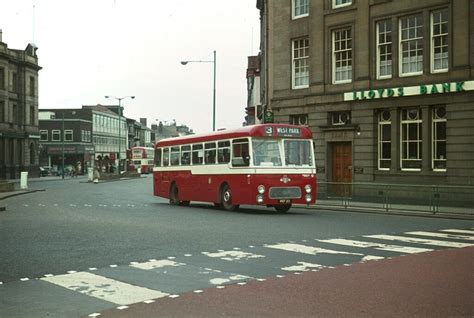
(1, 35)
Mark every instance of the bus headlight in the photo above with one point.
(307, 188)
(261, 189)
(259, 198)
(308, 198)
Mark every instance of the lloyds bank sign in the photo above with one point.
(429, 89)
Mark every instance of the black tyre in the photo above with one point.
(282, 208)
(226, 199)
(174, 194)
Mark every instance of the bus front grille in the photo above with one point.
(285, 193)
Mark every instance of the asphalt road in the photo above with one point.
(58, 243)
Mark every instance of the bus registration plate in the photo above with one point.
(284, 201)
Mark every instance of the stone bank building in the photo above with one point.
(19, 138)
(386, 86)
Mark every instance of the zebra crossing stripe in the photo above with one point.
(311, 250)
(152, 264)
(104, 288)
(377, 246)
(418, 240)
(443, 235)
(459, 231)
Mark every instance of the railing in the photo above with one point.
(434, 199)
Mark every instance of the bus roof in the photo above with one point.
(263, 130)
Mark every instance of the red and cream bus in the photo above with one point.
(270, 164)
(143, 159)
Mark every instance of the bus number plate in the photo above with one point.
(284, 201)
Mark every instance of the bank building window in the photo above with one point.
(411, 45)
(342, 56)
(340, 118)
(439, 139)
(384, 49)
(299, 8)
(300, 120)
(300, 65)
(384, 140)
(341, 3)
(411, 139)
(439, 41)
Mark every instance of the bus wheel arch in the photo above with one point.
(226, 198)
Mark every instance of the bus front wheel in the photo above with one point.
(226, 199)
(282, 208)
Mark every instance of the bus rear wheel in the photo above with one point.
(226, 199)
(282, 208)
(174, 194)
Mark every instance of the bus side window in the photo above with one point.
(240, 153)
(210, 153)
(174, 160)
(223, 152)
(185, 155)
(198, 154)
(158, 157)
(166, 157)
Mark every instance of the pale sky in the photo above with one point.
(92, 48)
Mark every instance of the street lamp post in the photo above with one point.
(62, 152)
(120, 125)
(214, 90)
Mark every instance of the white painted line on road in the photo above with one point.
(156, 264)
(418, 240)
(377, 246)
(25, 279)
(304, 249)
(96, 314)
(149, 301)
(92, 268)
(113, 266)
(198, 291)
(104, 288)
(442, 235)
(459, 231)
(48, 275)
(261, 279)
(171, 257)
(220, 287)
(71, 272)
(280, 276)
(242, 283)
(122, 307)
(303, 267)
(233, 255)
(173, 296)
(188, 255)
(220, 280)
(367, 258)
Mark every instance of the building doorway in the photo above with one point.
(342, 168)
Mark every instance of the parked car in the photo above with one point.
(45, 171)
